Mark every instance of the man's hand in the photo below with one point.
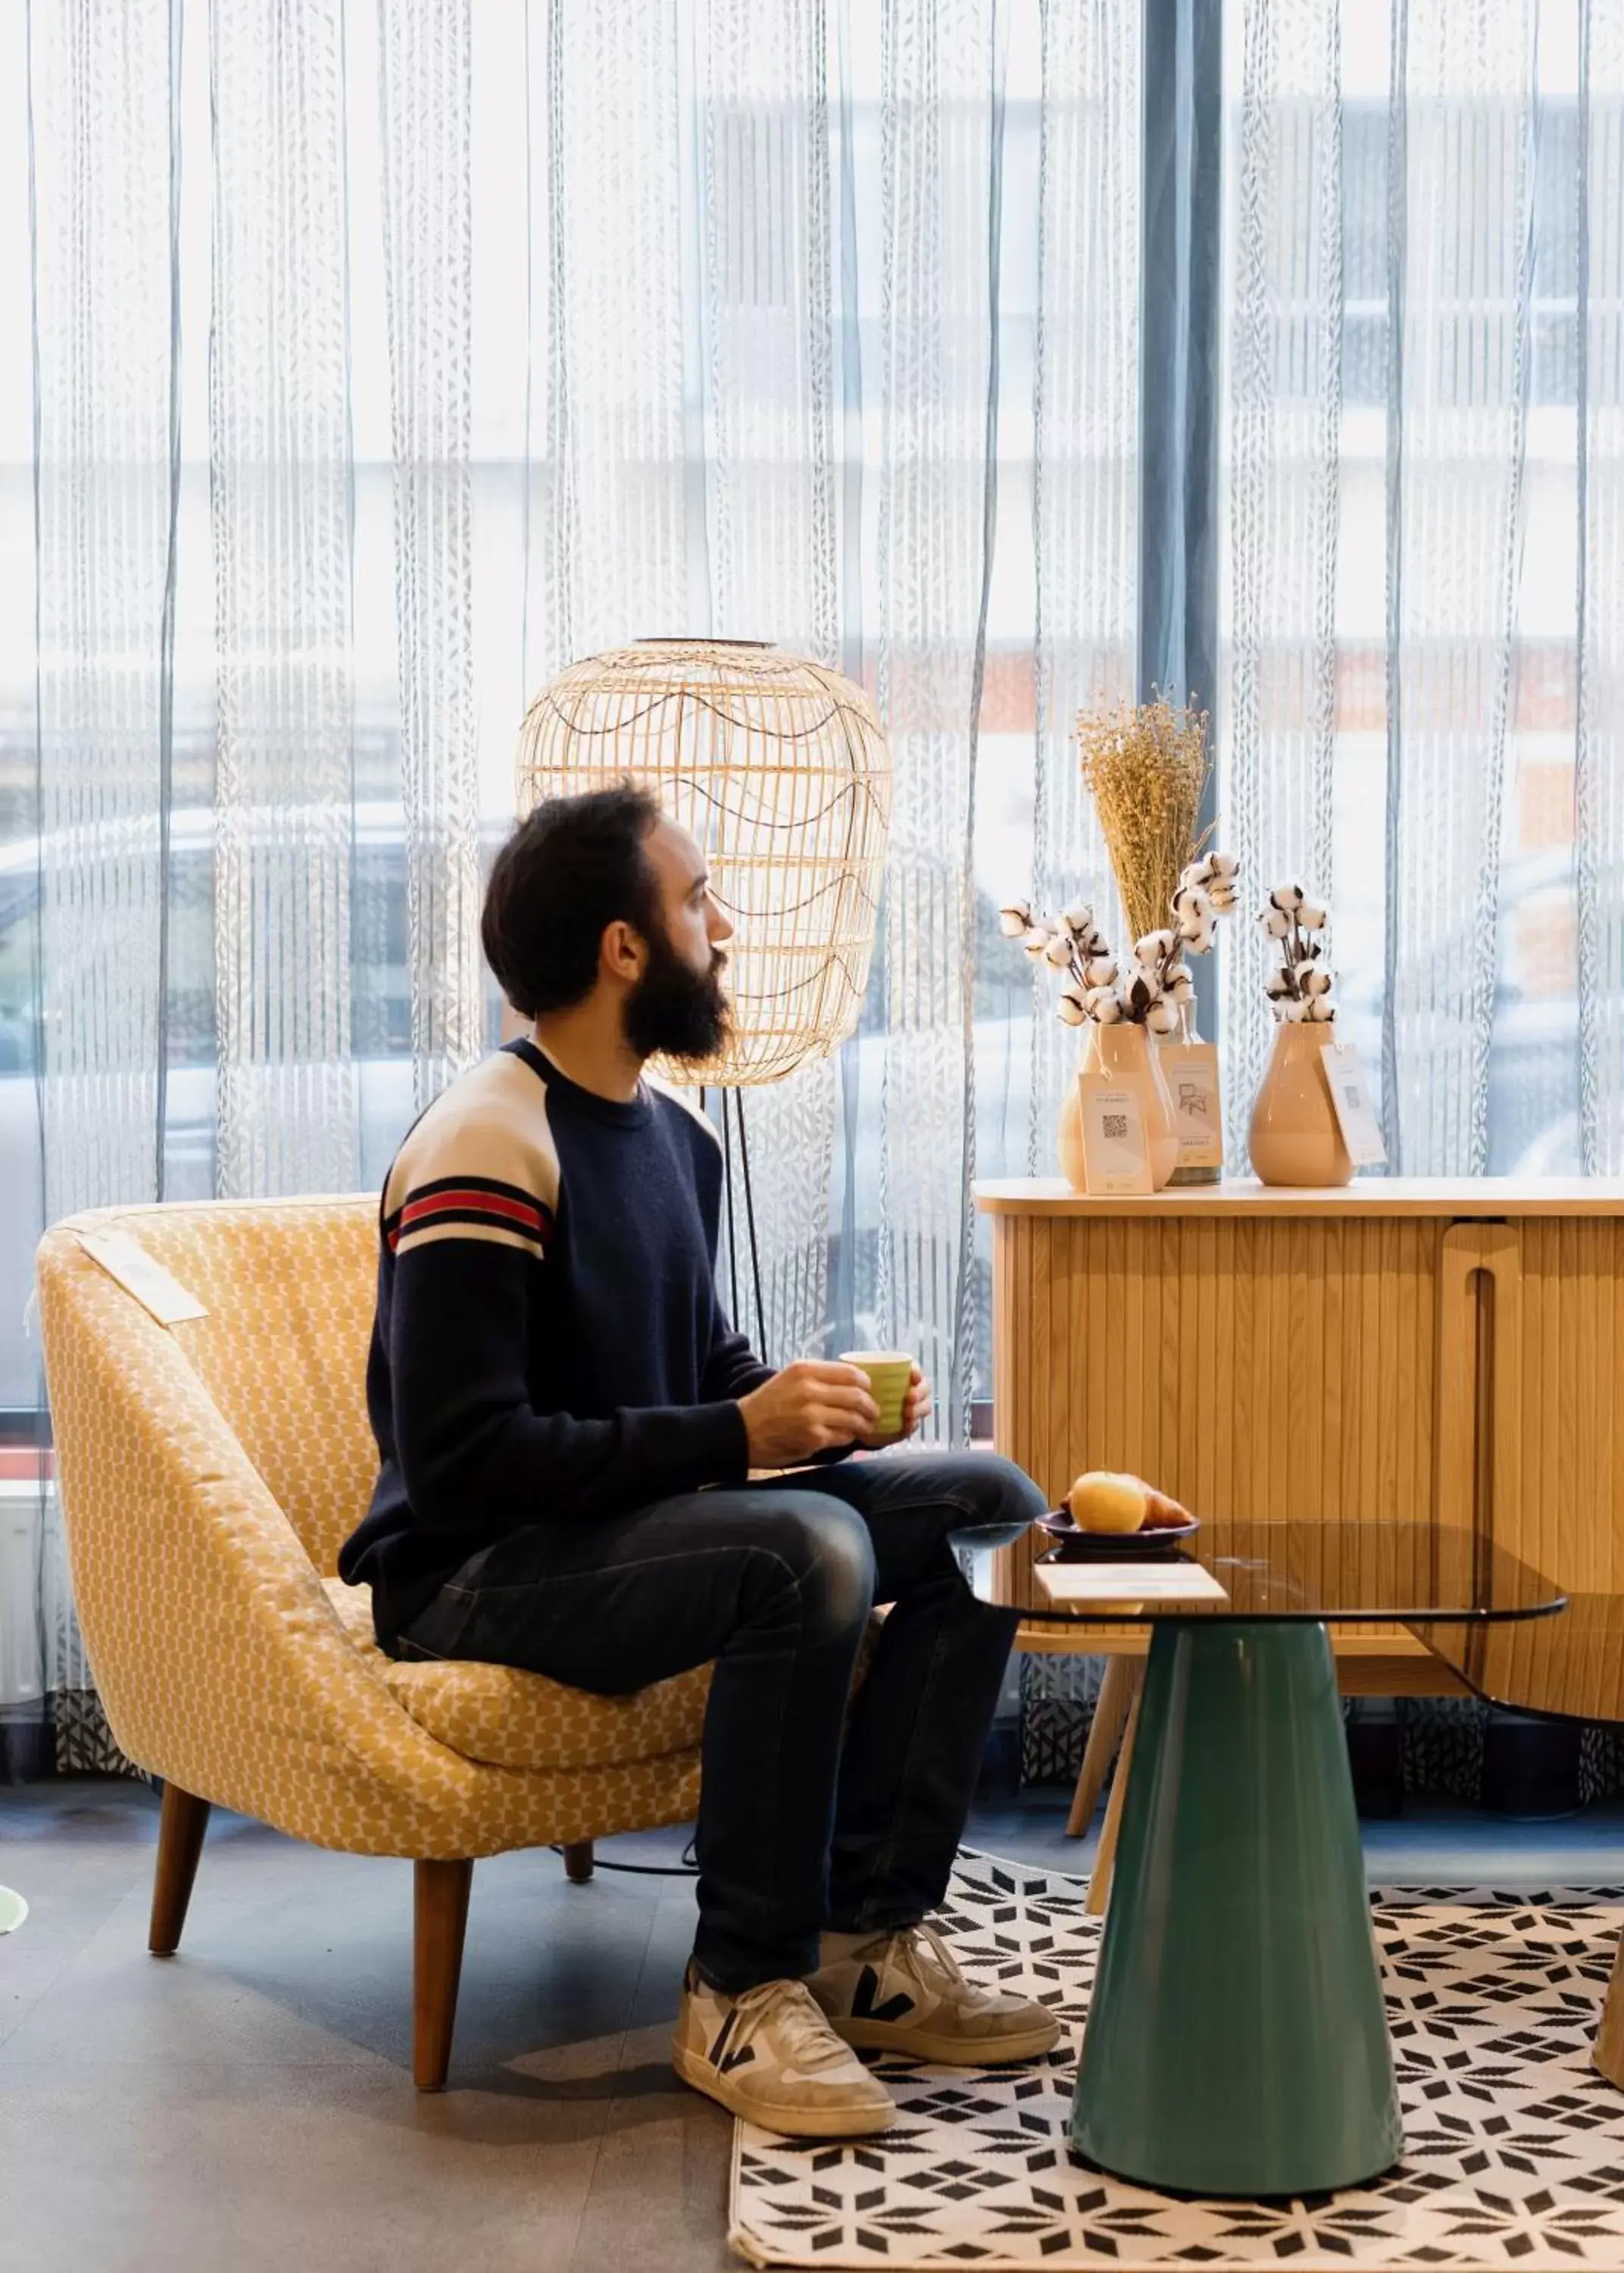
(809, 1407)
(916, 1408)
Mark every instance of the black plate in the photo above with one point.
(1076, 1546)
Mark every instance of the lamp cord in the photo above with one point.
(749, 1216)
(687, 1869)
(727, 1172)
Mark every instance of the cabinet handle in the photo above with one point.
(1474, 1425)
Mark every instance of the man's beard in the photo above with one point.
(675, 1011)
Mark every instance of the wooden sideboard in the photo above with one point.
(1394, 1350)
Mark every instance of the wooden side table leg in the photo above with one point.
(1105, 1860)
(1608, 2050)
(1124, 1677)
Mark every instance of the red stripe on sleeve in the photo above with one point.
(491, 1204)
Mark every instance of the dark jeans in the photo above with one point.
(775, 1581)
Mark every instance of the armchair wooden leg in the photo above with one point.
(577, 1861)
(1125, 1677)
(181, 1826)
(440, 1919)
(1105, 1855)
(1608, 2050)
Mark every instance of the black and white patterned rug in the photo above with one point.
(1513, 2144)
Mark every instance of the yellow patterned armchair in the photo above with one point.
(209, 1471)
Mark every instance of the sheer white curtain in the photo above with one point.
(1086, 484)
(1424, 597)
(279, 464)
(391, 356)
(381, 357)
(1598, 266)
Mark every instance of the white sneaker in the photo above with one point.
(902, 1992)
(770, 2057)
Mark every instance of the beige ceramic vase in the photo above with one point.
(1121, 1053)
(1295, 1138)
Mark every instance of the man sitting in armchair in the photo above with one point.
(568, 1426)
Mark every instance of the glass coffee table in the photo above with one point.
(1235, 2042)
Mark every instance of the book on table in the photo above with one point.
(1172, 1581)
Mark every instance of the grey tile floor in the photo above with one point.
(248, 2104)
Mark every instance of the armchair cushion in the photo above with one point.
(513, 1719)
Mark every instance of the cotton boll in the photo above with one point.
(1319, 1011)
(1313, 978)
(1198, 874)
(1312, 916)
(1276, 922)
(1059, 951)
(1070, 1009)
(1221, 898)
(1161, 1018)
(1079, 918)
(1180, 986)
(1153, 946)
(1104, 1006)
(1190, 900)
(1100, 971)
(1277, 985)
(1036, 941)
(1015, 920)
(1224, 866)
(1293, 1013)
(1288, 898)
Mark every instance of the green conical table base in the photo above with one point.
(1237, 2044)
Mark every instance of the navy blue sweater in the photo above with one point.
(548, 1344)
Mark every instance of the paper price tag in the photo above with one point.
(1361, 1132)
(1191, 1071)
(156, 1289)
(1115, 1150)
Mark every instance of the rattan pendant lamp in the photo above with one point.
(779, 768)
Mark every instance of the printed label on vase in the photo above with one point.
(1356, 1114)
(1191, 1071)
(1115, 1149)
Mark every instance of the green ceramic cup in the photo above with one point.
(889, 1373)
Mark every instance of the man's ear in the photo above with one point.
(623, 952)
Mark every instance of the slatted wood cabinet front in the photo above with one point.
(1389, 1354)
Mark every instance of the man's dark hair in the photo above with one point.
(575, 866)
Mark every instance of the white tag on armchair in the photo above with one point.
(154, 1288)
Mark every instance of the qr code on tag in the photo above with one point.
(1115, 1125)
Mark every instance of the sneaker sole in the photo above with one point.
(946, 2051)
(789, 2122)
